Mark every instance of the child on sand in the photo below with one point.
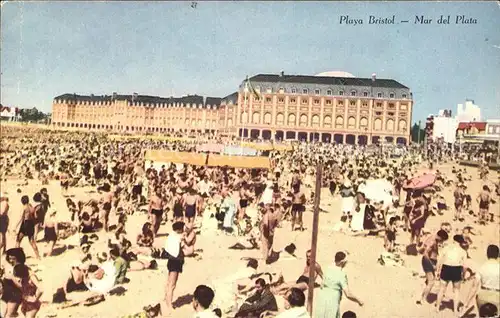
(390, 234)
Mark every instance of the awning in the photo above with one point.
(192, 158)
(238, 161)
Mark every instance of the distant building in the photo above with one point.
(493, 127)
(471, 128)
(137, 113)
(9, 113)
(327, 108)
(468, 112)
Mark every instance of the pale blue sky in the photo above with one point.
(167, 48)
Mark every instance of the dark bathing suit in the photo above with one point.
(4, 223)
(428, 265)
(190, 210)
(28, 228)
(451, 273)
(303, 279)
(484, 205)
(178, 210)
(50, 234)
(157, 212)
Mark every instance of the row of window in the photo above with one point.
(315, 121)
(305, 101)
(329, 92)
(158, 105)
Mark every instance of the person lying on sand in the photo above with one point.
(302, 282)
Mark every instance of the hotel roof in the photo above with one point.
(326, 80)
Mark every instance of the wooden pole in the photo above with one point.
(314, 241)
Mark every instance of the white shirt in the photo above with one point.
(490, 275)
(207, 313)
(173, 244)
(296, 312)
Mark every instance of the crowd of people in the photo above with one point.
(247, 204)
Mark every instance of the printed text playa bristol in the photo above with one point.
(345, 19)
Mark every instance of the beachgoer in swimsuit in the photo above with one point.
(27, 225)
(484, 200)
(4, 221)
(156, 209)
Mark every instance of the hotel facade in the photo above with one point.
(266, 106)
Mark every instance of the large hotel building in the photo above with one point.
(324, 107)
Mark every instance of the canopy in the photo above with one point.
(239, 151)
(192, 158)
(238, 161)
(210, 148)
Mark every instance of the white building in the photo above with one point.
(445, 127)
(468, 112)
(9, 113)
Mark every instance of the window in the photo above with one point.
(379, 105)
(339, 122)
(328, 101)
(282, 90)
(365, 104)
(256, 99)
(403, 107)
(490, 130)
(363, 122)
(304, 101)
(497, 129)
(268, 99)
(379, 95)
(365, 94)
(341, 93)
(352, 103)
(315, 121)
(256, 118)
(392, 106)
(327, 122)
(303, 120)
(329, 92)
(390, 113)
(279, 119)
(294, 90)
(404, 95)
(351, 122)
(353, 93)
(391, 95)
(291, 119)
(267, 118)
(316, 102)
(390, 125)
(378, 113)
(341, 103)
(293, 100)
(305, 91)
(281, 100)
(317, 91)
(269, 90)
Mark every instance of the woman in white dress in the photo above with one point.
(267, 195)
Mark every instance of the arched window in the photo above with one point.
(402, 125)
(351, 122)
(339, 122)
(280, 118)
(292, 120)
(315, 121)
(377, 124)
(327, 122)
(353, 93)
(303, 120)
(363, 122)
(256, 118)
(329, 92)
(230, 122)
(244, 118)
(390, 125)
(267, 118)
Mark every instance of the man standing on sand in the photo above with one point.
(298, 201)
(4, 221)
(156, 210)
(106, 200)
(267, 226)
(429, 261)
(484, 205)
(174, 253)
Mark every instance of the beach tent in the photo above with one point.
(238, 161)
(239, 151)
(420, 182)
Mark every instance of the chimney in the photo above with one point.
(134, 97)
(114, 95)
(374, 77)
(282, 73)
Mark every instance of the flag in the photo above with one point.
(249, 88)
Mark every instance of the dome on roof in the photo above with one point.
(335, 74)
